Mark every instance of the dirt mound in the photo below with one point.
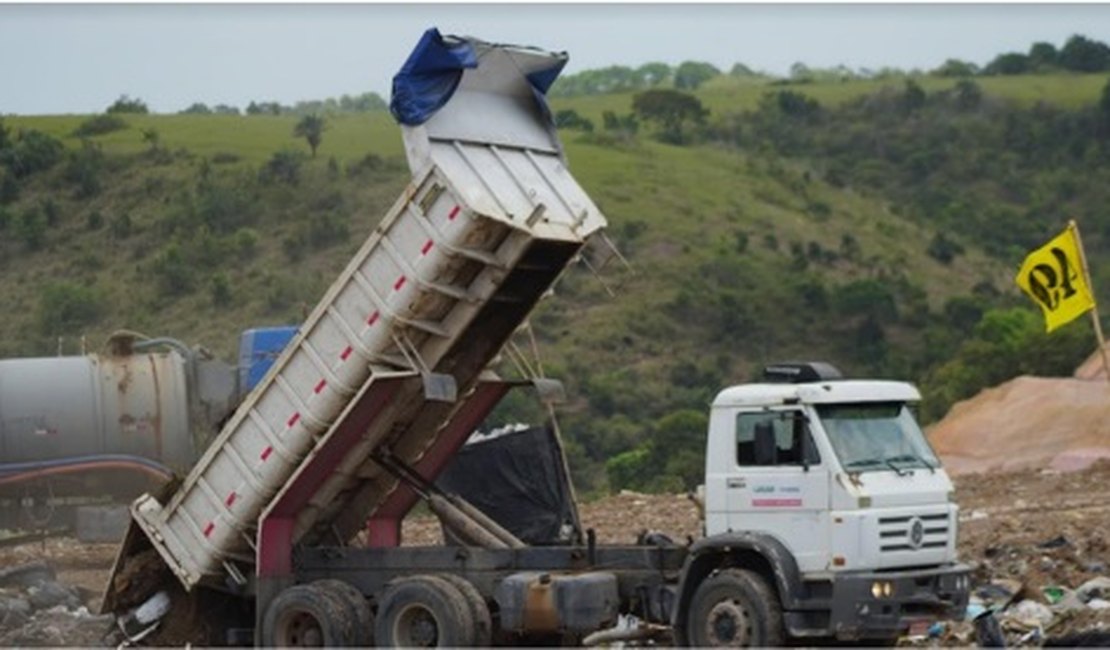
(1027, 422)
(1092, 368)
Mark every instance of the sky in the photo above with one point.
(58, 58)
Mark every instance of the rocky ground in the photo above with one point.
(1035, 538)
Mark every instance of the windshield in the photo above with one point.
(876, 436)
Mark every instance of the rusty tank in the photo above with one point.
(104, 426)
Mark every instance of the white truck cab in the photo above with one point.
(837, 477)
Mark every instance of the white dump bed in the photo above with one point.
(491, 202)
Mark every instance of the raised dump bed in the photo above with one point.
(391, 356)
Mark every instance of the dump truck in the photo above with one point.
(293, 514)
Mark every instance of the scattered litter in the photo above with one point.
(988, 633)
(1053, 594)
(1094, 588)
(1029, 613)
(1056, 542)
(1098, 603)
(936, 630)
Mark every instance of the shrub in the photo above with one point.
(220, 289)
(99, 125)
(197, 108)
(225, 158)
(33, 152)
(9, 188)
(94, 220)
(65, 307)
(51, 212)
(246, 242)
(570, 119)
(84, 167)
(172, 273)
(31, 229)
(120, 226)
(283, 167)
(127, 105)
(943, 249)
(368, 163)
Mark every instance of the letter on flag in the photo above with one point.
(1053, 276)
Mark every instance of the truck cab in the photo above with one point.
(832, 488)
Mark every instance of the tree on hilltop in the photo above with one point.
(311, 128)
(691, 74)
(1082, 54)
(672, 110)
(127, 105)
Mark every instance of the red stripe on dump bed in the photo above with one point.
(266, 453)
(345, 353)
(208, 529)
(427, 247)
(293, 419)
(373, 318)
(399, 283)
(454, 213)
(230, 499)
(320, 386)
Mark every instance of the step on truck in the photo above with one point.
(826, 514)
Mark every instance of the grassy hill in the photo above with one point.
(738, 256)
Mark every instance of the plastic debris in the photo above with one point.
(1056, 542)
(1098, 603)
(1053, 594)
(936, 630)
(1030, 613)
(988, 633)
(1094, 588)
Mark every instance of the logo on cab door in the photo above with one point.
(776, 496)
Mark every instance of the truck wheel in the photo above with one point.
(736, 608)
(423, 612)
(479, 610)
(358, 609)
(303, 616)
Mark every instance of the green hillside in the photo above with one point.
(743, 250)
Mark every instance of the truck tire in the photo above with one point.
(423, 612)
(305, 616)
(358, 608)
(734, 608)
(479, 610)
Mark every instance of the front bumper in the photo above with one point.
(917, 596)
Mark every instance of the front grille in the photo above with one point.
(895, 533)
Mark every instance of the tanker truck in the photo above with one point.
(80, 434)
(826, 513)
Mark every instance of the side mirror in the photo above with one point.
(807, 449)
(766, 449)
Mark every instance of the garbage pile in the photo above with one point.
(1005, 613)
(36, 610)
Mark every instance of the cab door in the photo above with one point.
(780, 485)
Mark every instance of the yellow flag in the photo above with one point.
(1053, 276)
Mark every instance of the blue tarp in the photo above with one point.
(432, 72)
(429, 77)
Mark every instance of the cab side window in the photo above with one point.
(773, 438)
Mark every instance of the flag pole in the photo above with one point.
(1074, 227)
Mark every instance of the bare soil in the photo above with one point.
(1037, 527)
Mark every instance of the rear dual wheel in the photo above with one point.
(303, 616)
(431, 611)
(326, 613)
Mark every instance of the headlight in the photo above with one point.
(888, 589)
(877, 589)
